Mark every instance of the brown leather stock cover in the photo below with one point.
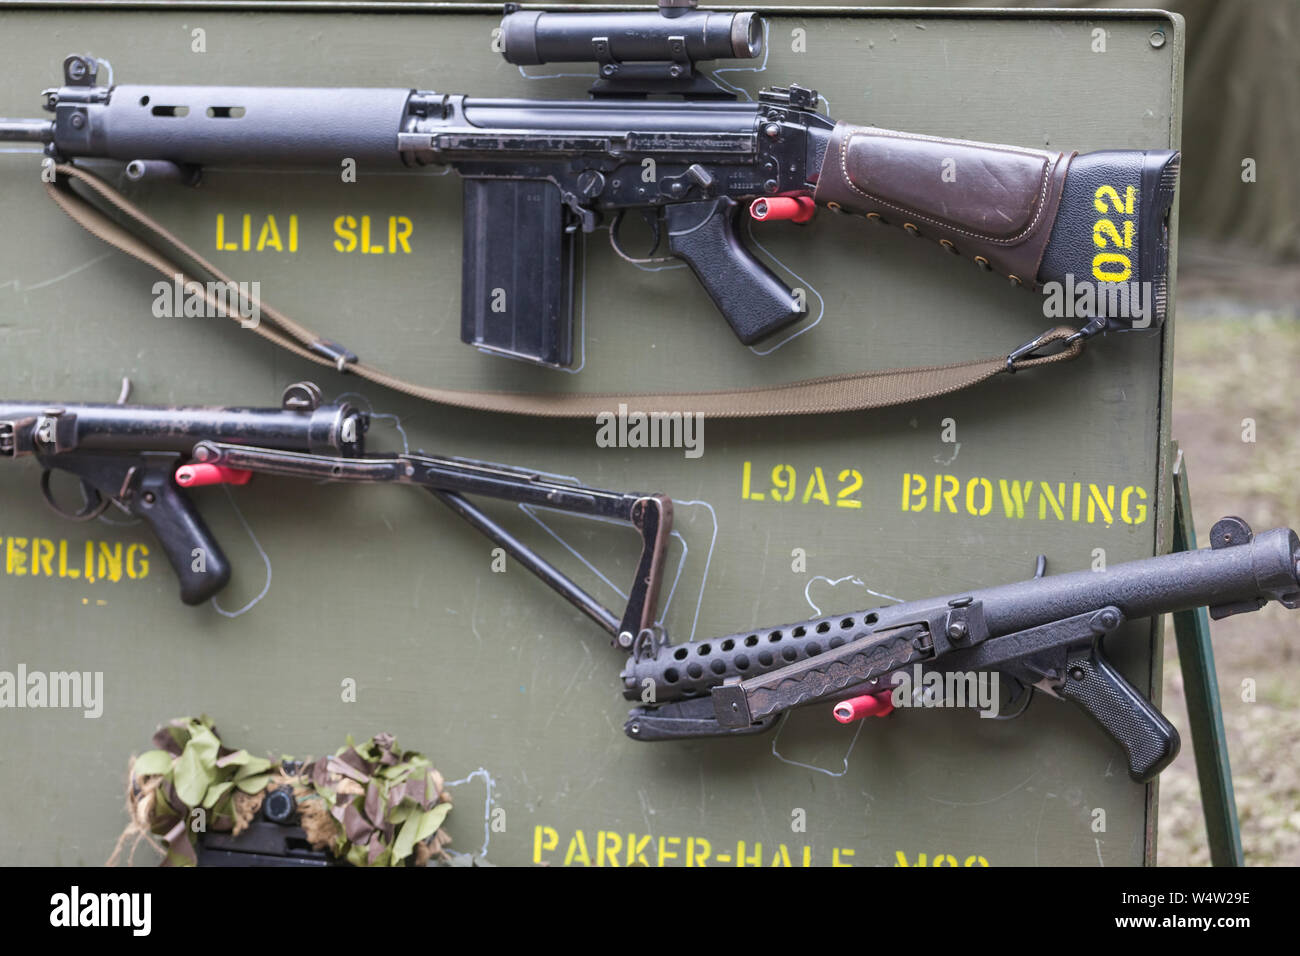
(992, 203)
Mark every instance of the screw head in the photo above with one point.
(771, 186)
(78, 121)
(771, 131)
(77, 69)
(1157, 39)
(1076, 673)
(958, 631)
(625, 640)
(590, 183)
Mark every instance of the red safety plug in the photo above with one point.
(196, 476)
(794, 208)
(879, 704)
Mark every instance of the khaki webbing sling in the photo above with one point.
(835, 393)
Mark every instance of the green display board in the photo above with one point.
(356, 610)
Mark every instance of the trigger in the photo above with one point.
(656, 232)
(1019, 702)
(1048, 686)
(93, 504)
(653, 220)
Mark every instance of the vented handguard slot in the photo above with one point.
(816, 678)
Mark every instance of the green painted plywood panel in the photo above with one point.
(506, 687)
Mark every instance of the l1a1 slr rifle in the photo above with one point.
(662, 138)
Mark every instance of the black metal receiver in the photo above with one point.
(144, 458)
(660, 137)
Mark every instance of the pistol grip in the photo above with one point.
(754, 302)
(1150, 742)
(195, 556)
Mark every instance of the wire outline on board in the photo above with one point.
(266, 559)
(861, 723)
(531, 510)
(489, 784)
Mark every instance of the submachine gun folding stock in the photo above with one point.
(660, 137)
(1046, 633)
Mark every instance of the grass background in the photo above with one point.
(1236, 352)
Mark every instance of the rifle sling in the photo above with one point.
(854, 391)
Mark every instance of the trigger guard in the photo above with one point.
(96, 504)
(1024, 697)
(652, 219)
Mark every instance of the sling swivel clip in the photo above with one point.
(1053, 337)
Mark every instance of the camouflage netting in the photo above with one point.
(372, 805)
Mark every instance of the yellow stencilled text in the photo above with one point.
(356, 235)
(938, 859)
(1075, 501)
(1112, 264)
(238, 236)
(365, 235)
(615, 848)
(783, 483)
(90, 561)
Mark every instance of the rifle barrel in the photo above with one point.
(26, 131)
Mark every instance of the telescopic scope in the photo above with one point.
(676, 33)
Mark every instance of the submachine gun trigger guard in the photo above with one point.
(94, 504)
